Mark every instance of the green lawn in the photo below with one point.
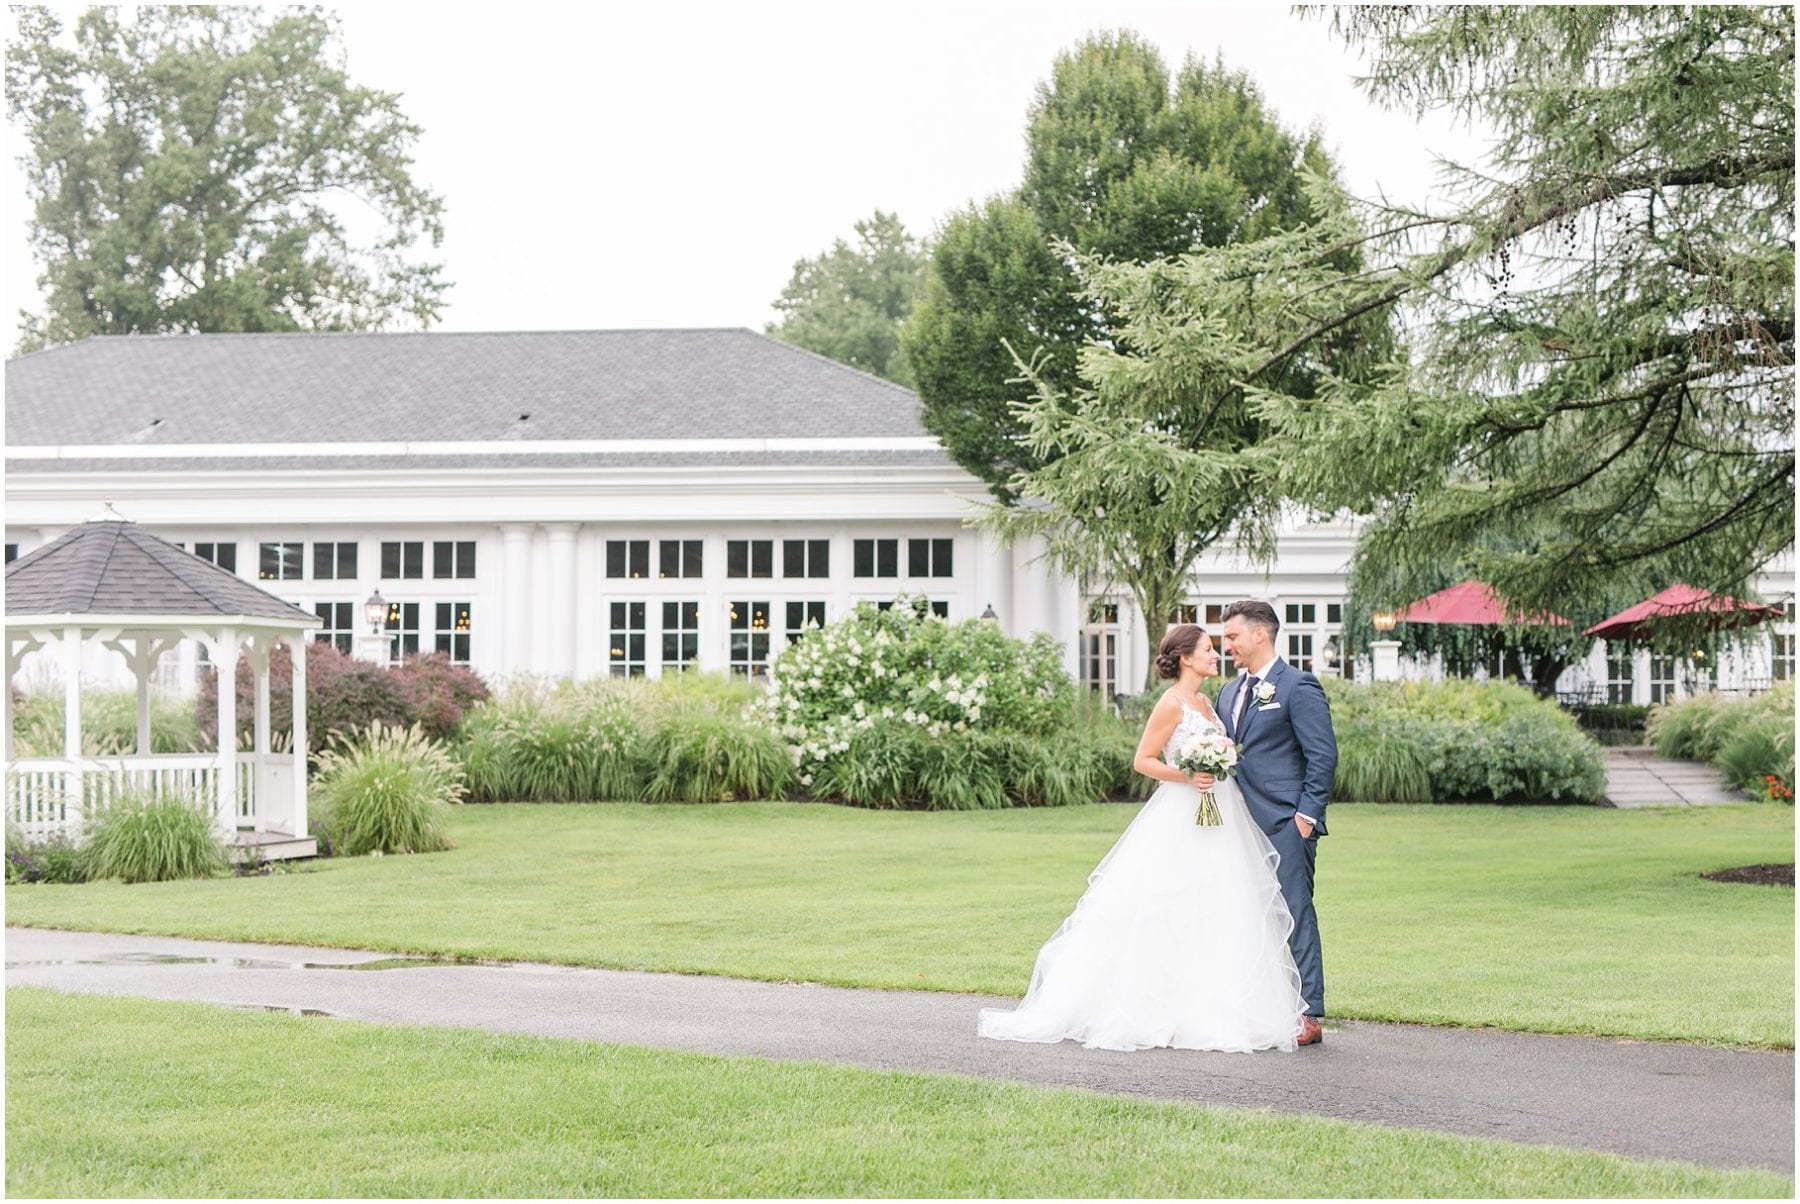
(123, 1097)
(1554, 919)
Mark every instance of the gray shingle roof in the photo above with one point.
(539, 460)
(115, 568)
(364, 387)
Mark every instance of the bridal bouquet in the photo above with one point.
(1206, 752)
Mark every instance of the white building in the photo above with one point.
(579, 503)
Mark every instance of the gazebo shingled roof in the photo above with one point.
(116, 568)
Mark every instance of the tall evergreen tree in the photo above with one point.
(183, 161)
(1605, 326)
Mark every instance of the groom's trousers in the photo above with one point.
(1296, 876)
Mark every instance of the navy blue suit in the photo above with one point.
(1287, 756)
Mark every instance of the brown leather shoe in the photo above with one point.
(1310, 1032)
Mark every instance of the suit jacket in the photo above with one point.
(1287, 752)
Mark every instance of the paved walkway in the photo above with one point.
(1716, 1107)
(1637, 777)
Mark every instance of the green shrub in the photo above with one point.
(697, 755)
(903, 668)
(108, 725)
(1749, 740)
(1613, 723)
(1473, 740)
(384, 790)
(1690, 730)
(143, 838)
(56, 859)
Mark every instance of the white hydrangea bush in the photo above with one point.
(905, 665)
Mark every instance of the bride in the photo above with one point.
(1182, 937)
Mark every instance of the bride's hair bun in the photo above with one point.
(1179, 641)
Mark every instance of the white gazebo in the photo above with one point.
(111, 583)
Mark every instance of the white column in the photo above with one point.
(74, 797)
(538, 652)
(515, 616)
(297, 651)
(587, 605)
(561, 598)
(259, 667)
(225, 657)
(1031, 603)
(994, 579)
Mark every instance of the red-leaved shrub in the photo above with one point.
(343, 694)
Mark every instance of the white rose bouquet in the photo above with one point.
(1206, 752)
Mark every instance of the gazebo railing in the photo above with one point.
(46, 796)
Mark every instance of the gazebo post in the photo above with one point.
(225, 658)
(258, 652)
(297, 650)
(72, 785)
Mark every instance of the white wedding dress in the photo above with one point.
(1181, 939)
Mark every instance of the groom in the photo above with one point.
(1287, 755)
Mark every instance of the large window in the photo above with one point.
(334, 561)
(453, 558)
(627, 558)
(12, 552)
(749, 558)
(876, 558)
(799, 614)
(678, 557)
(749, 639)
(403, 631)
(1184, 612)
(1662, 678)
(402, 560)
(1620, 675)
(1100, 649)
(1304, 614)
(1300, 651)
(222, 554)
(339, 618)
(281, 561)
(625, 652)
(806, 558)
(1781, 663)
(680, 634)
(928, 557)
(454, 625)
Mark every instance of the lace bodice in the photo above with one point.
(1191, 720)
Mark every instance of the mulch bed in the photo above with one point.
(1759, 875)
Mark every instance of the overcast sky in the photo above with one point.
(625, 166)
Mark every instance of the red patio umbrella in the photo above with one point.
(1473, 604)
(1636, 622)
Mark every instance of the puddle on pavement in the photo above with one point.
(240, 963)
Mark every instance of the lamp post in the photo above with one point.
(1386, 649)
(372, 645)
(989, 615)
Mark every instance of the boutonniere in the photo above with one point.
(1265, 693)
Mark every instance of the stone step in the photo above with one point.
(276, 846)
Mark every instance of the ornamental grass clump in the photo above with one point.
(697, 755)
(1749, 740)
(384, 789)
(567, 744)
(144, 838)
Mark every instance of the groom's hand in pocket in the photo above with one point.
(1306, 829)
